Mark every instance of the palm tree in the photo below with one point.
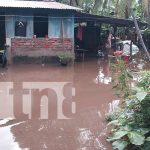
(118, 8)
(145, 7)
(97, 6)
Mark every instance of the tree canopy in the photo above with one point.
(114, 8)
(117, 8)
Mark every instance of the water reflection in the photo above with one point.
(87, 128)
(113, 106)
(86, 131)
(8, 142)
(103, 76)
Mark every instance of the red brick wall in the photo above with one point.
(36, 47)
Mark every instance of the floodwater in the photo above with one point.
(50, 107)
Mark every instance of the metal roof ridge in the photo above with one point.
(37, 4)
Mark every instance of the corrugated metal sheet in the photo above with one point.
(36, 4)
(85, 17)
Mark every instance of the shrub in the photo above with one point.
(65, 58)
(131, 122)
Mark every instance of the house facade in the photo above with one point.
(36, 29)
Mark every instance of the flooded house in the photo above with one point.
(36, 28)
(41, 29)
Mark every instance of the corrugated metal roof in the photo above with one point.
(36, 4)
(85, 17)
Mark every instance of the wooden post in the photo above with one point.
(62, 33)
(131, 50)
(115, 34)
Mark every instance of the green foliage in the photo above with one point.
(136, 138)
(65, 58)
(117, 8)
(120, 145)
(141, 96)
(118, 134)
(131, 121)
(120, 78)
(144, 81)
(146, 146)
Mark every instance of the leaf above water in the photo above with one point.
(136, 138)
(119, 134)
(141, 96)
(120, 145)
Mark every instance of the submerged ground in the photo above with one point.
(71, 114)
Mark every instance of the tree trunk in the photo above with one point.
(116, 9)
(148, 8)
(105, 3)
(73, 2)
(131, 50)
(139, 35)
(97, 6)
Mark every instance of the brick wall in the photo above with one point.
(37, 47)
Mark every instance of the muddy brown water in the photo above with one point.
(71, 113)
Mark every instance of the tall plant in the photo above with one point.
(131, 121)
(121, 78)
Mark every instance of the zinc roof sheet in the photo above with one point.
(36, 4)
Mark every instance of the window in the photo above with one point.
(20, 28)
(55, 27)
(41, 25)
(68, 26)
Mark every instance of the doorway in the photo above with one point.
(2, 31)
(40, 25)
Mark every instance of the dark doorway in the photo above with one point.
(2, 31)
(41, 25)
